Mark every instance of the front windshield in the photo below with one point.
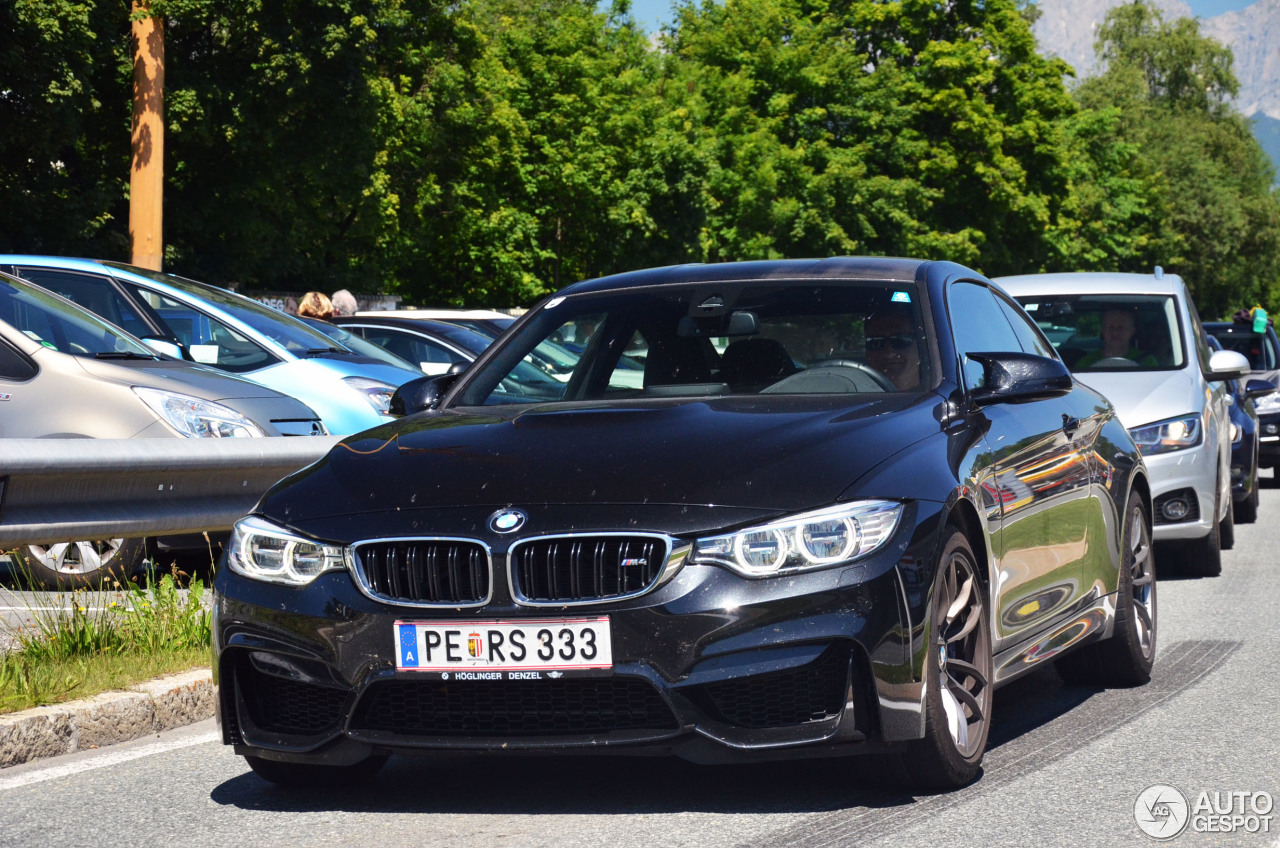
(62, 326)
(1111, 332)
(353, 342)
(283, 329)
(698, 340)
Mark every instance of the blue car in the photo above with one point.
(217, 327)
(1245, 432)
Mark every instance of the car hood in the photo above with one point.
(175, 376)
(772, 455)
(1149, 396)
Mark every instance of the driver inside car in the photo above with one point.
(891, 346)
(1118, 329)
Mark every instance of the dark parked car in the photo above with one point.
(886, 497)
(1245, 430)
(1263, 352)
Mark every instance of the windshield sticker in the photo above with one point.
(901, 297)
(554, 302)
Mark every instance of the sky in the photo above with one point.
(652, 14)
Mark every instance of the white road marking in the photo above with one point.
(104, 760)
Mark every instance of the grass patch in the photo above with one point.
(106, 639)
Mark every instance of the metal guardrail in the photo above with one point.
(55, 490)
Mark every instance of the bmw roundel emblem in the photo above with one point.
(507, 520)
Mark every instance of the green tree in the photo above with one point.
(910, 127)
(65, 78)
(1215, 215)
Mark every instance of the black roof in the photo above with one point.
(879, 268)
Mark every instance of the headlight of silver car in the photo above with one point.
(817, 539)
(1171, 435)
(262, 551)
(376, 392)
(196, 418)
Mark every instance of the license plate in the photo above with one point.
(528, 649)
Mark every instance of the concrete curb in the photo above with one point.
(161, 704)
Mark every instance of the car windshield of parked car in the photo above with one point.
(1111, 332)
(284, 330)
(704, 339)
(62, 326)
(357, 344)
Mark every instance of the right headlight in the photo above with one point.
(816, 539)
(262, 551)
(196, 418)
(1164, 436)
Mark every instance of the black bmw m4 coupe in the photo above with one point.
(842, 501)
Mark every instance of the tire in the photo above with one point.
(67, 566)
(1246, 512)
(1227, 530)
(313, 774)
(1126, 657)
(958, 689)
(1203, 557)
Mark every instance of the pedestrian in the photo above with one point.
(344, 303)
(315, 305)
(291, 305)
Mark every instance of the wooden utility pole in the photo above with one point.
(146, 179)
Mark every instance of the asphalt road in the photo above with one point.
(1065, 768)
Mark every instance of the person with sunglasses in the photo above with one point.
(891, 346)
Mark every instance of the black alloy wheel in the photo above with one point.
(958, 675)
(1126, 658)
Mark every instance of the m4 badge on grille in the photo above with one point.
(633, 562)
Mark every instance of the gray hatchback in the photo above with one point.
(66, 373)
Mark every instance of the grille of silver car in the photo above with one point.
(300, 427)
(565, 569)
(425, 571)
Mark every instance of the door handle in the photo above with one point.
(1070, 425)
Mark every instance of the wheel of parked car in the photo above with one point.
(1203, 557)
(66, 566)
(1246, 512)
(310, 774)
(959, 671)
(1124, 659)
(1227, 530)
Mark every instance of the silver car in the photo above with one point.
(1138, 339)
(66, 373)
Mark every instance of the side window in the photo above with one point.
(430, 356)
(97, 294)
(14, 366)
(207, 340)
(1029, 335)
(978, 325)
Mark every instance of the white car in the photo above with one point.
(1137, 339)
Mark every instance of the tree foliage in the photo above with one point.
(1212, 213)
(487, 152)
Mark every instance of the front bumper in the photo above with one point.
(709, 666)
(1191, 475)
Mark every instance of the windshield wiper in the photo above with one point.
(123, 354)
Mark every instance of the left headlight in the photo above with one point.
(1165, 436)
(817, 539)
(196, 418)
(262, 551)
(376, 392)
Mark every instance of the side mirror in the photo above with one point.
(420, 395)
(1258, 388)
(164, 346)
(1019, 376)
(1227, 365)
